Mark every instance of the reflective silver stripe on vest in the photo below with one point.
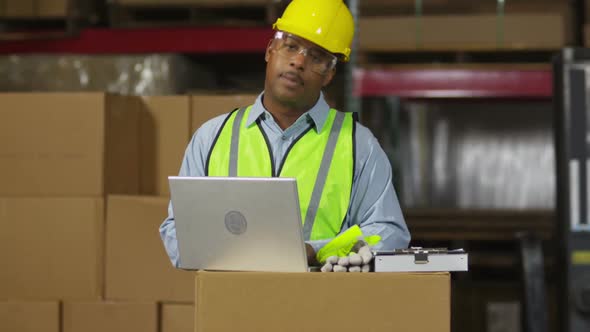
(235, 143)
(320, 180)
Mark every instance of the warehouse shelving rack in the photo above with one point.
(481, 83)
(405, 83)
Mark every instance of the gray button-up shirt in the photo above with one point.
(373, 205)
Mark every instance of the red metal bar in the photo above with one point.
(153, 40)
(454, 83)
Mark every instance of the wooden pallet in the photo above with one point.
(163, 15)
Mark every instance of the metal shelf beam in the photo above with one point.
(454, 83)
(152, 40)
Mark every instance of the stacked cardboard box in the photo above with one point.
(42, 316)
(214, 3)
(61, 154)
(164, 132)
(205, 107)
(52, 8)
(137, 266)
(17, 8)
(83, 191)
(458, 25)
(66, 144)
(178, 318)
(33, 8)
(110, 316)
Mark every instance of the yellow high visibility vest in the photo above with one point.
(322, 163)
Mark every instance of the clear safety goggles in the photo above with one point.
(318, 60)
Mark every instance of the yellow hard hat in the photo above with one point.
(327, 23)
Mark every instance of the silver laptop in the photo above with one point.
(238, 224)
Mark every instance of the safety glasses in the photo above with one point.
(318, 60)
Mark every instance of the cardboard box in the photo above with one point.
(405, 7)
(531, 7)
(137, 266)
(227, 2)
(68, 144)
(519, 6)
(404, 3)
(165, 133)
(212, 3)
(19, 8)
(29, 316)
(289, 302)
(178, 318)
(206, 107)
(110, 316)
(51, 248)
(462, 32)
(52, 8)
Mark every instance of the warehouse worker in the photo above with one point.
(292, 132)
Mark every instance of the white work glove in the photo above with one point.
(358, 260)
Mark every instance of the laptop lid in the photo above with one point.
(238, 224)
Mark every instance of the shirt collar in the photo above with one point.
(318, 113)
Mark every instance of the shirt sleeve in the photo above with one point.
(374, 205)
(193, 164)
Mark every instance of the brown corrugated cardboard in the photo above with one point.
(29, 316)
(206, 107)
(19, 8)
(164, 134)
(518, 6)
(137, 266)
(51, 248)
(499, 9)
(409, 3)
(462, 32)
(178, 318)
(228, 2)
(215, 3)
(294, 302)
(529, 7)
(404, 7)
(110, 316)
(52, 8)
(68, 144)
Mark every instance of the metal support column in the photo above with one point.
(572, 143)
(352, 102)
(533, 272)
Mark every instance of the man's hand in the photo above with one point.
(358, 260)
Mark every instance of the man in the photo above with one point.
(343, 175)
